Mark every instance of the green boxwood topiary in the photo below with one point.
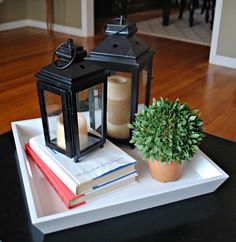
(167, 131)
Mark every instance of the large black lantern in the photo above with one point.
(72, 97)
(129, 61)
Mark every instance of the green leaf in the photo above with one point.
(154, 101)
(131, 126)
(192, 118)
(182, 107)
(178, 148)
(195, 148)
(132, 141)
(149, 139)
(140, 147)
(199, 123)
(145, 123)
(137, 133)
(195, 135)
(154, 149)
(195, 111)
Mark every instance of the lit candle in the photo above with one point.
(118, 106)
(83, 132)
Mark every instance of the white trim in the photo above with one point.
(87, 19)
(41, 25)
(214, 57)
(13, 25)
(215, 31)
(224, 61)
(36, 24)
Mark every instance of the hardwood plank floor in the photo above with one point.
(180, 70)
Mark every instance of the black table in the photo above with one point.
(210, 217)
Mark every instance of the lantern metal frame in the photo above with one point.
(67, 83)
(123, 51)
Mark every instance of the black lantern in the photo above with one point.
(129, 60)
(72, 95)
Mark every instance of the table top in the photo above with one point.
(203, 218)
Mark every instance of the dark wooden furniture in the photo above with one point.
(208, 7)
(115, 8)
(166, 12)
(208, 217)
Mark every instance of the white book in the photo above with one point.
(105, 190)
(98, 167)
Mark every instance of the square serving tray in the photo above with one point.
(48, 213)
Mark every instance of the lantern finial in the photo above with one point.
(120, 26)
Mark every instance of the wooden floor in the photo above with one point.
(180, 70)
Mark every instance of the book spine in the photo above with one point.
(55, 182)
(57, 169)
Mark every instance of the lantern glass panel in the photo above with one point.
(89, 115)
(55, 119)
(118, 104)
(143, 75)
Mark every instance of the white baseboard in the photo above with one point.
(42, 25)
(36, 24)
(13, 25)
(223, 61)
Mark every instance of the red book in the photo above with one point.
(68, 197)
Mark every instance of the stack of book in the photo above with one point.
(99, 173)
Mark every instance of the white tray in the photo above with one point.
(49, 214)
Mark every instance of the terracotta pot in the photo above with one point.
(164, 172)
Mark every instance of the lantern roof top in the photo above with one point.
(71, 66)
(120, 43)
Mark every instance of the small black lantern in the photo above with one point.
(72, 96)
(129, 61)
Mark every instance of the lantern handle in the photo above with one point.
(70, 45)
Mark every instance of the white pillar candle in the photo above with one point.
(118, 106)
(83, 132)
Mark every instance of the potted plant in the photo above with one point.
(167, 133)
